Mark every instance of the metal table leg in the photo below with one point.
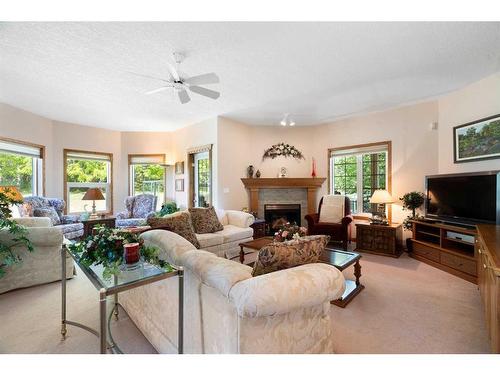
(63, 293)
(181, 310)
(102, 311)
(116, 300)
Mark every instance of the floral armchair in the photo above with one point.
(69, 224)
(139, 209)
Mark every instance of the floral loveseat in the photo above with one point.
(139, 209)
(70, 225)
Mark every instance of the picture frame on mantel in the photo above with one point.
(179, 167)
(179, 184)
(477, 140)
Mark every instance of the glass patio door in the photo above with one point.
(202, 179)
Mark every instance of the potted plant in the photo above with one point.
(105, 247)
(18, 233)
(168, 208)
(411, 202)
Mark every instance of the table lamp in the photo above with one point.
(93, 194)
(12, 196)
(380, 197)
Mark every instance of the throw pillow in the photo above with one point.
(281, 255)
(49, 212)
(179, 223)
(205, 220)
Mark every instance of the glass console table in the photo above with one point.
(145, 274)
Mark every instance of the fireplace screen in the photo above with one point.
(278, 214)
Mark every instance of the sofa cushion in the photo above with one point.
(233, 233)
(281, 255)
(179, 223)
(209, 239)
(49, 212)
(205, 220)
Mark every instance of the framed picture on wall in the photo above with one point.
(179, 167)
(477, 140)
(179, 184)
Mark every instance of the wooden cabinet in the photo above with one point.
(449, 248)
(488, 276)
(89, 224)
(379, 239)
(259, 228)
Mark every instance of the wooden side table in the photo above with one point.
(259, 228)
(89, 224)
(380, 239)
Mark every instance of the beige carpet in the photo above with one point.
(407, 307)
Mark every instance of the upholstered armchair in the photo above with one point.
(139, 209)
(70, 225)
(41, 266)
(338, 232)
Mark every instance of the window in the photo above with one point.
(147, 176)
(84, 170)
(21, 165)
(200, 173)
(358, 171)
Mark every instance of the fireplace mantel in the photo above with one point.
(311, 184)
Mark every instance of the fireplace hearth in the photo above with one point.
(278, 214)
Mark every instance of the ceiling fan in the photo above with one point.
(181, 85)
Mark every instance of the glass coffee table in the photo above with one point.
(144, 274)
(342, 260)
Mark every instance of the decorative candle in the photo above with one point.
(131, 253)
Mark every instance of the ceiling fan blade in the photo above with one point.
(146, 76)
(173, 72)
(205, 92)
(183, 96)
(157, 90)
(203, 79)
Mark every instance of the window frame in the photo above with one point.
(40, 169)
(109, 206)
(386, 144)
(191, 159)
(131, 175)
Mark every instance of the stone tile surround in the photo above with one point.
(282, 196)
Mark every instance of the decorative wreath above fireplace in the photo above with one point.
(282, 149)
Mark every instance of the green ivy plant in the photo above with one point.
(411, 202)
(18, 234)
(105, 247)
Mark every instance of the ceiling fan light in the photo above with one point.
(292, 123)
(283, 123)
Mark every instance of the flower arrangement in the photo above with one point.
(282, 149)
(105, 246)
(289, 232)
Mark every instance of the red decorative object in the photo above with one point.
(131, 253)
(313, 174)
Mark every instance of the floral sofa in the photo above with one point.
(226, 310)
(139, 208)
(41, 266)
(70, 225)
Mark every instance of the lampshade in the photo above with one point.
(93, 194)
(12, 193)
(381, 196)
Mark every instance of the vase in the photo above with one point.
(313, 173)
(131, 253)
(250, 171)
(257, 174)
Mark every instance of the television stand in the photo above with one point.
(431, 244)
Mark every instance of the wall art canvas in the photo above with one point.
(477, 140)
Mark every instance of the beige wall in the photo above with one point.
(478, 100)
(199, 134)
(414, 149)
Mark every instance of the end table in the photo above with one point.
(380, 239)
(89, 224)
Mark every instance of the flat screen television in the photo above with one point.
(468, 198)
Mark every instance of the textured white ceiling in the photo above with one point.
(78, 72)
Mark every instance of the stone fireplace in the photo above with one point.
(300, 192)
(278, 214)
